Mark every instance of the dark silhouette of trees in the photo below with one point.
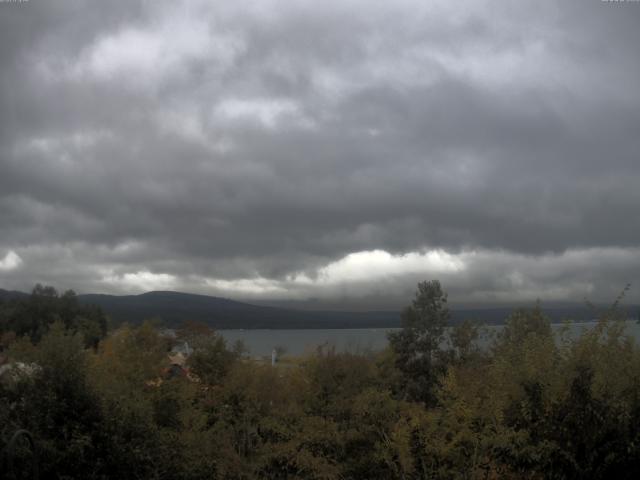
(416, 346)
(33, 315)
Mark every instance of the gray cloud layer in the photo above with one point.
(255, 149)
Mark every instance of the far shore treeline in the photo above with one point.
(82, 397)
(173, 308)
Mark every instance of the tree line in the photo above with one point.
(534, 404)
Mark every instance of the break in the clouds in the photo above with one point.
(329, 150)
(11, 261)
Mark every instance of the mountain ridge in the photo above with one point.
(175, 307)
(172, 308)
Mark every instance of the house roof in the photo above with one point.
(178, 359)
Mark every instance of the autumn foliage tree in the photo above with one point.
(537, 401)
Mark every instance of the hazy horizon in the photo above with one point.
(386, 304)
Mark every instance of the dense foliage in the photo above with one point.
(533, 404)
(32, 315)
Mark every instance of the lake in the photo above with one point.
(300, 342)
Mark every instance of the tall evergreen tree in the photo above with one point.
(417, 346)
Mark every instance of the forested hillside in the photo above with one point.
(530, 406)
(172, 308)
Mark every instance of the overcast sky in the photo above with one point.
(337, 150)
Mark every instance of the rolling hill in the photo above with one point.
(172, 308)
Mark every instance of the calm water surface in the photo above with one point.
(299, 342)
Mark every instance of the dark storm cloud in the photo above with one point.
(249, 150)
